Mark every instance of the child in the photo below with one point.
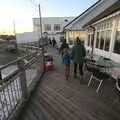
(66, 62)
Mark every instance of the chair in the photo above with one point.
(118, 84)
(97, 75)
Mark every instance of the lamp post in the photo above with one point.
(15, 34)
(40, 20)
(41, 36)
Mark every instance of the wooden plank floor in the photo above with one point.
(58, 99)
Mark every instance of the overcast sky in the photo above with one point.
(22, 11)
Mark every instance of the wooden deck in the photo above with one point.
(58, 99)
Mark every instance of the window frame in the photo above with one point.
(57, 25)
(46, 26)
(103, 27)
(117, 27)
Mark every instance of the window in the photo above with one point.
(57, 27)
(104, 35)
(66, 20)
(74, 34)
(92, 40)
(97, 40)
(107, 41)
(47, 27)
(101, 40)
(36, 28)
(117, 41)
(89, 40)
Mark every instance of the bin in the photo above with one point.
(48, 62)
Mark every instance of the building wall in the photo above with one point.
(107, 32)
(105, 29)
(52, 21)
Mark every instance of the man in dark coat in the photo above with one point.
(54, 42)
(78, 54)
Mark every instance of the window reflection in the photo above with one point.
(89, 40)
(104, 35)
(57, 27)
(97, 40)
(107, 41)
(47, 27)
(74, 34)
(92, 40)
(117, 41)
(102, 40)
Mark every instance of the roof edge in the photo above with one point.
(83, 13)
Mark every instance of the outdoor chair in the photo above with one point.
(97, 75)
(118, 84)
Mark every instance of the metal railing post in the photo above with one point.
(23, 82)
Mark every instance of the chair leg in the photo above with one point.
(90, 80)
(99, 86)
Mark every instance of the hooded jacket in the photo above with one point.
(78, 53)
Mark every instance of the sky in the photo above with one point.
(22, 12)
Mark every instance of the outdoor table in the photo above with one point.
(102, 62)
(108, 66)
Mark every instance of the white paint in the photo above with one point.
(67, 36)
(113, 34)
(52, 21)
(110, 54)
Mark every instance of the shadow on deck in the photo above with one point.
(58, 99)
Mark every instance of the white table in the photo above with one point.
(110, 67)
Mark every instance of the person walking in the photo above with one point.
(77, 55)
(66, 62)
(54, 42)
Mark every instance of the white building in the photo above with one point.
(52, 25)
(101, 27)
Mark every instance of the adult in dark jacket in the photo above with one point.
(54, 42)
(78, 54)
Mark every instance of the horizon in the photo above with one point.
(23, 16)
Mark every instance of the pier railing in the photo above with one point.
(16, 78)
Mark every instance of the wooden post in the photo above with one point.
(23, 82)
